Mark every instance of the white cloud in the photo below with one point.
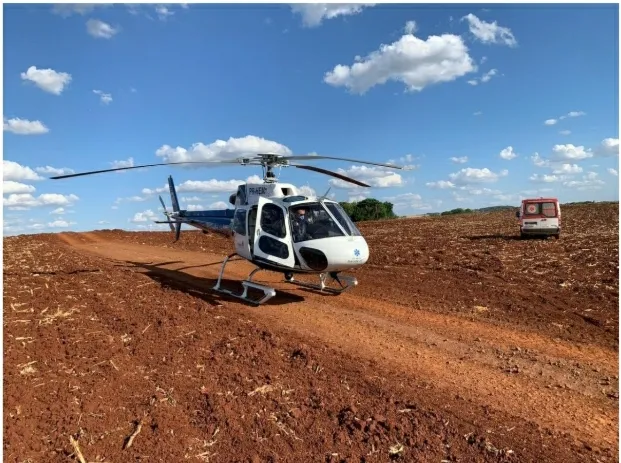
(410, 27)
(100, 29)
(490, 32)
(570, 152)
(183, 199)
(313, 14)
(409, 201)
(507, 154)
(27, 200)
(573, 114)
(539, 161)
(67, 9)
(58, 211)
(471, 175)
(143, 216)
(60, 224)
(222, 150)
(565, 116)
(49, 170)
(588, 182)
(10, 187)
(24, 127)
(459, 160)
(441, 184)
(405, 160)
(195, 207)
(47, 79)
(414, 62)
(377, 177)
(612, 171)
(118, 164)
(209, 186)
(565, 132)
(482, 191)
(568, 169)
(163, 12)
(16, 172)
(608, 147)
(219, 205)
(105, 98)
(477, 113)
(131, 199)
(484, 78)
(545, 178)
(306, 190)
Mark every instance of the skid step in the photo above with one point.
(268, 292)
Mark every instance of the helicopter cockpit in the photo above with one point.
(314, 220)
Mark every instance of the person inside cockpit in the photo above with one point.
(299, 221)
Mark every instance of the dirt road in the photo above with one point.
(552, 383)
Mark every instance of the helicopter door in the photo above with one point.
(272, 236)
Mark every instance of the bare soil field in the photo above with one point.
(461, 343)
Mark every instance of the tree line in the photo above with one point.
(369, 209)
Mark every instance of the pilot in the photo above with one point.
(300, 222)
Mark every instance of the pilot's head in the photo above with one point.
(300, 212)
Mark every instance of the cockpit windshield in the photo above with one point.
(311, 221)
(339, 214)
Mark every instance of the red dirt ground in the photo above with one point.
(461, 343)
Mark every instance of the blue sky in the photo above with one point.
(487, 103)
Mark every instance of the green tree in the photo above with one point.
(369, 209)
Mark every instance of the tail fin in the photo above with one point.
(173, 194)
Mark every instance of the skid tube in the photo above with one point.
(350, 282)
(268, 292)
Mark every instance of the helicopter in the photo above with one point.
(276, 228)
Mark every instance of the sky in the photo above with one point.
(486, 104)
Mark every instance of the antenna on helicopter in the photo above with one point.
(325, 195)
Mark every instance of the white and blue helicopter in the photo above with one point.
(276, 228)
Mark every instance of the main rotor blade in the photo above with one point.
(140, 167)
(310, 158)
(333, 174)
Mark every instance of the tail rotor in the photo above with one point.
(176, 228)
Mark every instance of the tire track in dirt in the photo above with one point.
(456, 355)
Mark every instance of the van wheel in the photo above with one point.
(557, 236)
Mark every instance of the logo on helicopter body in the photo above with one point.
(356, 259)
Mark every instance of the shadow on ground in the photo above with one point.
(201, 287)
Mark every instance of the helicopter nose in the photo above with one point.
(351, 253)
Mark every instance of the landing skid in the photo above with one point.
(346, 283)
(268, 292)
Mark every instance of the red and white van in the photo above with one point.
(540, 217)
